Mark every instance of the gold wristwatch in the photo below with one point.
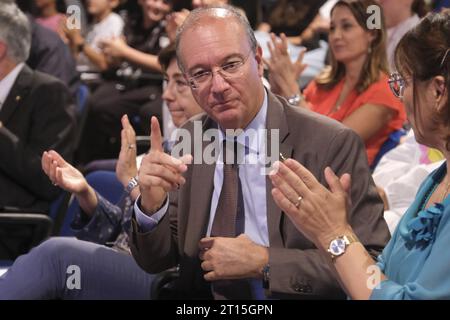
(339, 245)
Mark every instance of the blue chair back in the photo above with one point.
(59, 205)
(82, 96)
(441, 4)
(392, 141)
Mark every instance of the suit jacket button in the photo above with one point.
(298, 288)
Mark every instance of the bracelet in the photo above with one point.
(133, 183)
(295, 99)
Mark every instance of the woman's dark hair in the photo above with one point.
(419, 7)
(423, 53)
(376, 61)
(166, 55)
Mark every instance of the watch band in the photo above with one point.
(350, 238)
(295, 99)
(133, 183)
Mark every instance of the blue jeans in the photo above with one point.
(68, 268)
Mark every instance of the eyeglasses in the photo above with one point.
(229, 70)
(397, 84)
(180, 85)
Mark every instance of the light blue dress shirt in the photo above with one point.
(416, 261)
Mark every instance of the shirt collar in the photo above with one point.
(7, 82)
(258, 124)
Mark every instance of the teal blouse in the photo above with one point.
(416, 261)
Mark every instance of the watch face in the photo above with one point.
(337, 247)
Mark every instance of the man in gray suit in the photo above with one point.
(176, 218)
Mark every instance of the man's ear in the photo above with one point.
(259, 60)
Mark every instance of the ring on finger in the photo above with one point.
(299, 201)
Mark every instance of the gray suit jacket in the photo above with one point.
(297, 268)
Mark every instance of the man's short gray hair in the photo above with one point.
(15, 31)
(217, 11)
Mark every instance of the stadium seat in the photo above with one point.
(19, 232)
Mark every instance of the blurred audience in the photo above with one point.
(49, 54)
(290, 17)
(400, 16)
(51, 14)
(354, 88)
(106, 25)
(136, 83)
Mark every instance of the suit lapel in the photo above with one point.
(276, 119)
(16, 96)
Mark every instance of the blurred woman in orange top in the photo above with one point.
(354, 88)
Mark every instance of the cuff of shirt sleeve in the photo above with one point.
(145, 222)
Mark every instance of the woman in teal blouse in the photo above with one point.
(416, 262)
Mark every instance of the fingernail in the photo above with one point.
(277, 164)
(330, 171)
(176, 161)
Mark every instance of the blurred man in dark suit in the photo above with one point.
(36, 114)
